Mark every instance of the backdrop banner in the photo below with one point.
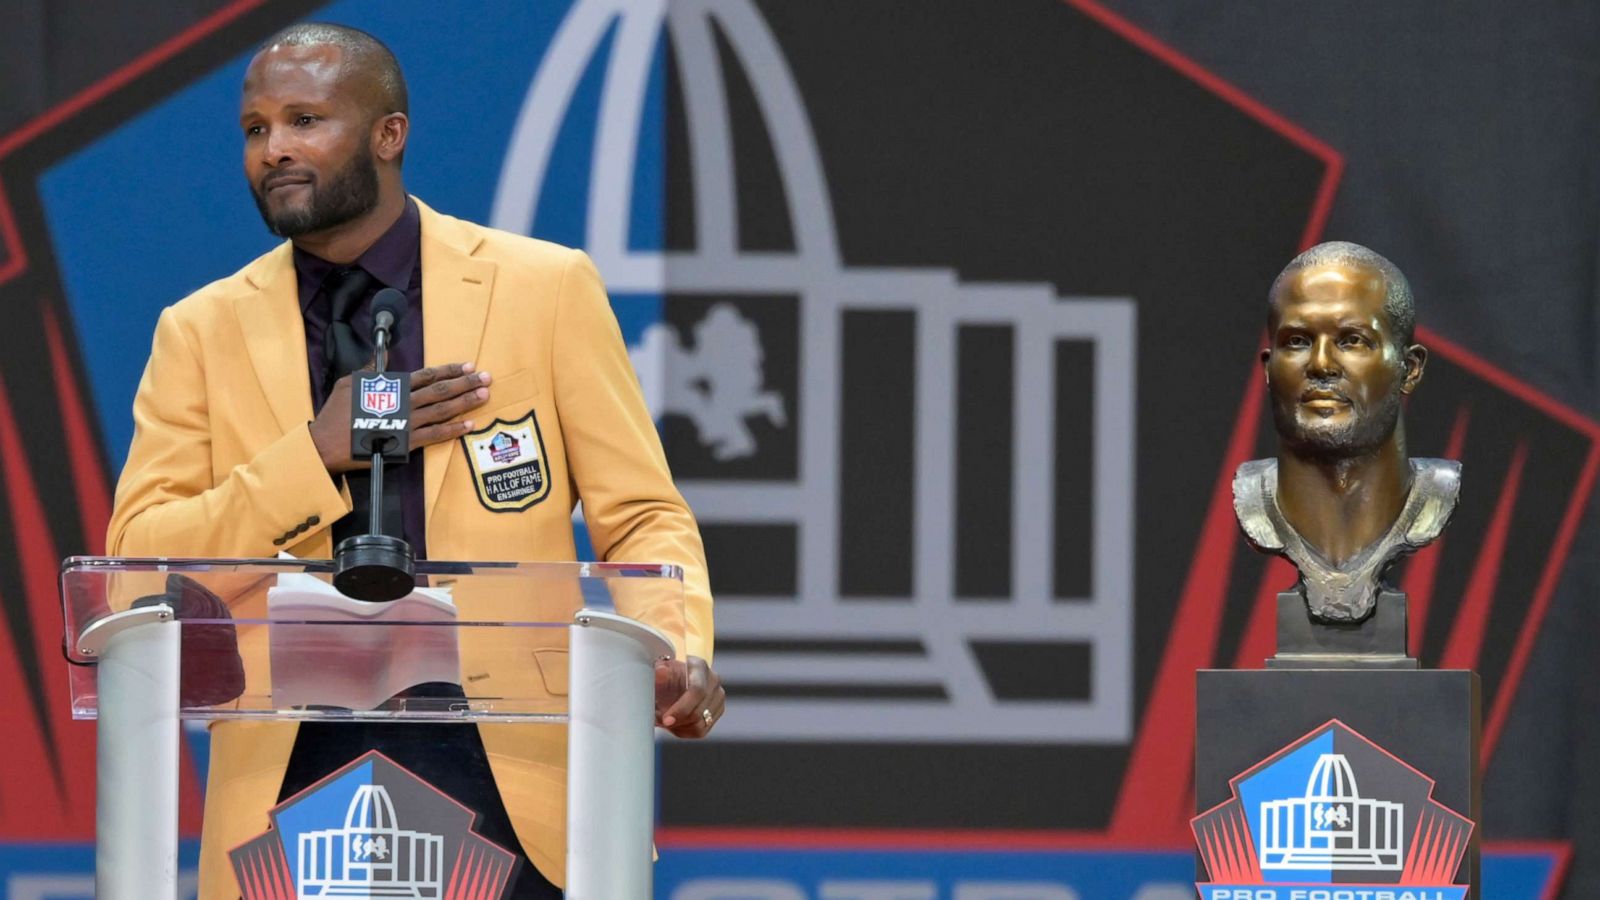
(949, 321)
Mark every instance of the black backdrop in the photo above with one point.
(1468, 133)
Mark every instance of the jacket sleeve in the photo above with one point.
(168, 501)
(633, 511)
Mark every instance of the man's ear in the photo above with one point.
(1416, 358)
(1266, 357)
(389, 135)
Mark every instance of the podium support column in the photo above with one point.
(611, 772)
(136, 758)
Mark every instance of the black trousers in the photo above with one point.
(449, 757)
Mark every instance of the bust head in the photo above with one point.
(1342, 500)
(1340, 352)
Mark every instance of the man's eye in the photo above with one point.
(1297, 342)
(253, 130)
(1353, 342)
(304, 119)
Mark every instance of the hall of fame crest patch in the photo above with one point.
(507, 462)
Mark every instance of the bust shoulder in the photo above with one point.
(1435, 489)
(1255, 491)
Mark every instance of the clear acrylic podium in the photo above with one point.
(541, 644)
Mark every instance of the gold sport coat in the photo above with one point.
(222, 465)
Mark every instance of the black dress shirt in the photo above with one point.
(395, 260)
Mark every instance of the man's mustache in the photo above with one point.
(1324, 390)
(284, 176)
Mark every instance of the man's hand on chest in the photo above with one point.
(439, 394)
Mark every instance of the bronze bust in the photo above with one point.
(1342, 501)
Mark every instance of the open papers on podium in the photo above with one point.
(373, 663)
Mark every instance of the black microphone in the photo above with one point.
(381, 400)
(377, 566)
(388, 306)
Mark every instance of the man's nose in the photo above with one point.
(276, 149)
(1324, 361)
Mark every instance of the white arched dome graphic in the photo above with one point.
(1332, 826)
(930, 617)
(371, 855)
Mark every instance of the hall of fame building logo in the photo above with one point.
(1332, 816)
(757, 365)
(371, 830)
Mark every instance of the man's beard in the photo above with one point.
(350, 192)
(1363, 433)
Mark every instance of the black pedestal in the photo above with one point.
(1427, 719)
(1376, 642)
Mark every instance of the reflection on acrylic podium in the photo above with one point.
(539, 645)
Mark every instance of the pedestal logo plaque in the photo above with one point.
(1332, 816)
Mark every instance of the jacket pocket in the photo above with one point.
(509, 398)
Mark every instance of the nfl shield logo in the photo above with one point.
(380, 396)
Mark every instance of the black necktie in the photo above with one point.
(346, 351)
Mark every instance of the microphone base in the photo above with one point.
(376, 568)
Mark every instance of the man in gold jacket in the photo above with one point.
(231, 456)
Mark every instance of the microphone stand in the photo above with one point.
(377, 567)
(375, 511)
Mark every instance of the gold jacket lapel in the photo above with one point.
(275, 336)
(455, 307)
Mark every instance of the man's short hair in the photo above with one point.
(1398, 306)
(361, 51)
